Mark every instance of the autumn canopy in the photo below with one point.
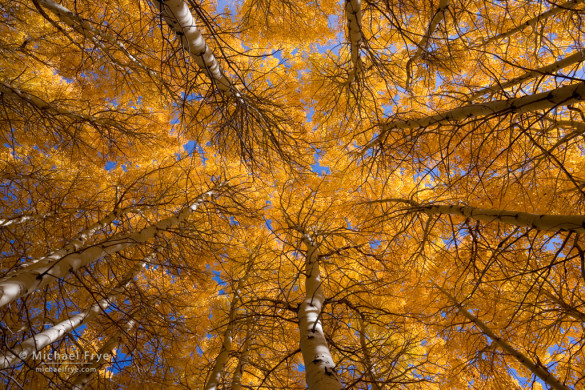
(280, 194)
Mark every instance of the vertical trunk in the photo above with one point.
(226, 346)
(243, 360)
(319, 367)
(537, 369)
(367, 357)
(36, 343)
(83, 379)
(48, 270)
(353, 14)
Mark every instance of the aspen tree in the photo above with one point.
(43, 272)
(38, 342)
(537, 369)
(319, 365)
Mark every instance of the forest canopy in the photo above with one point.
(276, 194)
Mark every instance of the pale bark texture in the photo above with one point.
(177, 15)
(17, 220)
(562, 96)
(536, 368)
(544, 222)
(83, 379)
(80, 239)
(49, 270)
(424, 42)
(545, 70)
(36, 343)
(319, 366)
(353, 14)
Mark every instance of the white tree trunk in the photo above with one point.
(537, 369)
(544, 222)
(36, 343)
(19, 219)
(80, 239)
(177, 15)
(44, 272)
(224, 353)
(551, 223)
(562, 96)
(545, 70)
(319, 366)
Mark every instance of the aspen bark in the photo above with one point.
(18, 220)
(551, 223)
(319, 366)
(545, 70)
(544, 222)
(537, 369)
(48, 270)
(178, 17)
(80, 239)
(353, 14)
(579, 128)
(562, 96)
(83, 379)
(424, 42)
(36, 343)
